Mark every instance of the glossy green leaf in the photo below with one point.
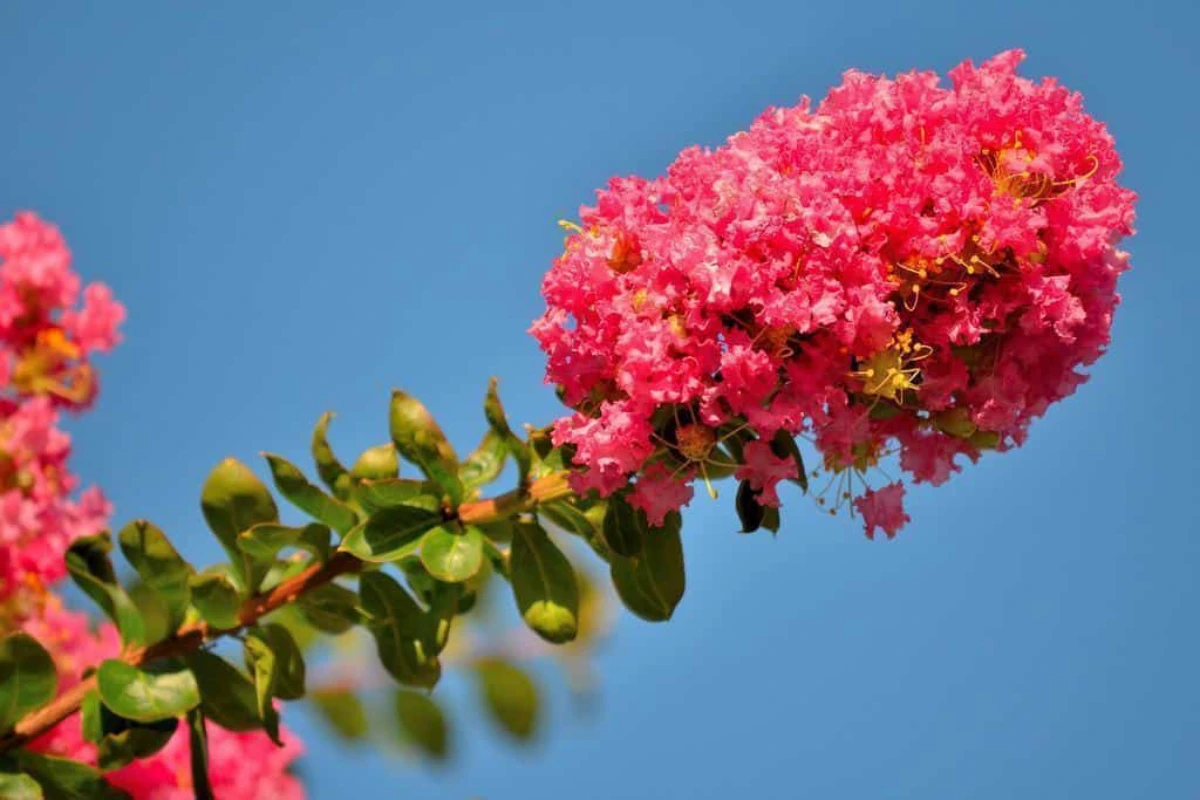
(134, 741)
(543, 583)
(749, 510)
(419, 439)
(289, 661)
(227, 696)
(624, 527)
(146, 696)
(65, 779)
(485, 463)
(343, 711)
(198, 755)
(159, 565)
(330, 608)
(509, 695)
(453, 555)
(16, 786)
(422, 723)
(91, 723)
(401, 629)
(572, 519)
(264, 670)
(378, 495)
(385, 535)
(217, 599)
(380, 462)
(92, 571)
(498, 422)
(234, 500)
(784, 445)
(28, 679)
(332, 473)
(652, 584)
(264, 541)
(292, 484)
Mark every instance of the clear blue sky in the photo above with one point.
(303, 206)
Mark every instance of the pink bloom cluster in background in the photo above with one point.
(46, 338)
(906, 268)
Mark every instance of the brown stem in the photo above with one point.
(191, 637)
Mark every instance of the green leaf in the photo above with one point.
(133, 741)
(419, 439)
(289, 661)
(749, 510)
(422, 723)
(652, 584)
(89, 566)
(343, 711)
(330, 608)
(332, 473)
(572, 519)
(509, 695)
(234, 500)
(783, 445)
(227, 696)
(146, 696)
(385, 535)
(264, 669)
(380, 462)
(498, 422)
(624, 527)
(64, 779)
(159, 565)
(453, 556)
(401, 629)
(91, 722)
(198, 755)
(217, 599)
(28, 679)
(15, 786)
(543, 583)
(377, 495)
(264, 541)
(485, 463)
(292, 484)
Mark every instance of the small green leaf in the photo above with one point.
(15, 786)
(91, 722)
(198, 755)
(292, 484)
(146, 696)
(749, 510)
(234, 500)
(544, 584)
(332, 473)
(572, 519)
(330, 608)
(227, 696)
(624, 527)
(264, 541)
(453, 556)
(401, 629)
(134, 741)
(264, 669)
(509, 695)
(652, 584)
(422, 723)
(217, 599)
(386, 534)
(159, 565)
(784, 445)
(419, 439)
(343, 711)
(289, 661)
(485, 463)
(380, 462)
(28, 679)
(498, 422)
(377, 495)
(65, 779)
(89, 566)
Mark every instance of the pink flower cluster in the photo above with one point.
(45, 341)
(906, 268)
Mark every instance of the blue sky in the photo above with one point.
(303, 205)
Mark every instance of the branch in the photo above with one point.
(191, 637)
